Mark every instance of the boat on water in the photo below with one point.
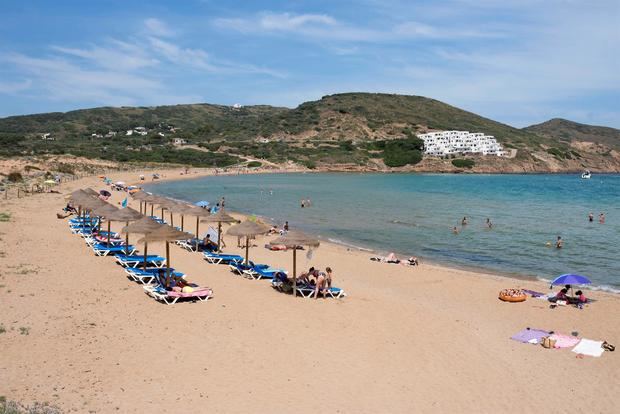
(586, 175)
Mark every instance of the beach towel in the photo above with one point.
(532, 336)
(589, 347)
(564, 341)
(533, 293)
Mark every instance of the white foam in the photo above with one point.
(342, 243)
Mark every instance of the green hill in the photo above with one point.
(569, 131)
(349, 128)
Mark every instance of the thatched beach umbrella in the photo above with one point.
(219, 218)
(170, 205)
(151, 199)
(247, 229)
(124, 214)
(165, 234)
(105, 211)
(198, 212)
(140, 196)
(293, 240)
(143, 226)
(181, 209)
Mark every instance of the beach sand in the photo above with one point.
(82, 336)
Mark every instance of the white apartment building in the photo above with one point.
(445, 143)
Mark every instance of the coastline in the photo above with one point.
(371, 251)
(427, 338)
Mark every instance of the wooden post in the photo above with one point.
(197, 231)
(295, 271)
(219, 235)
(167, 264)
(152, 206)
(247, 249)
(127, 240)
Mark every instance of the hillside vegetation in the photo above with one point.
(354, 129)
(569, 131)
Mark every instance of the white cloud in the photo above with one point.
(156, 27)
(14, 87)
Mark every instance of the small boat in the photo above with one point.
(586, 175)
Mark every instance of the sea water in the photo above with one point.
(414, 214)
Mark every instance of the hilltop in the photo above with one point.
(357, 131)
(570, 132)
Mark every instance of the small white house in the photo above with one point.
(262, 140)
(161, 134)
(48, 137)
(129, 132)
(179, 141)
(237, 107)
(110, 134)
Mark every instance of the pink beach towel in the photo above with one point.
(564, 341)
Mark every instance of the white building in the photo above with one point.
(47, 137)
(445, 143)
(140, 130)
(179, 141)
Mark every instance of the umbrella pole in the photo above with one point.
(162, 213)
(247, 249)
(197, 231)
(167, 264)
(152, 207)
(182, 220)
(127, 240)
(219, 236)
(146, 247)
(294, 271)
(109, 229)
(171, 218)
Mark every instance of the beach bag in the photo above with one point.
(548, 343)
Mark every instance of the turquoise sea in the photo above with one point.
(413, 214)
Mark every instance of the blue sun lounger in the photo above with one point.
(258, 273)
(240, 267)
(138, 260)
(218, 258)
(150, 274)
(104, 250)
(307, 291)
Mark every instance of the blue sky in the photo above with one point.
(516, 61)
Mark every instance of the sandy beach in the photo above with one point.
(80, 335)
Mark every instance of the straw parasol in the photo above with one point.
(198, 212)
(140, 196)
(170, 205)
(144, 226)
(104, 211)
(152, 199)
(124, 214)
(247, 229)
(293, 240)
(182, 209)
(165, 234)
(219, 218)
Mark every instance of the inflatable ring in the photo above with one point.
(512, 295)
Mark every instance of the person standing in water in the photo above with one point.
(591, 217)
(601, 218)
(464, 221)
(455, 230)
(559, 243)
(489, 224)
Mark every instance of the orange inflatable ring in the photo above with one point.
(512, 295)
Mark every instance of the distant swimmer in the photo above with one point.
(464, 221)
(489, 224)
(455, 230)
(591, 217)
(601, 218)
(303, 203)
(559, 243)
(270, 192)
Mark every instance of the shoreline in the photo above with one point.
(403, 338)
(436, 262)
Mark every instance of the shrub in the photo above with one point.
(254, 164)
(400, 152)
(14, 177)
(65, 168)
(461, 163)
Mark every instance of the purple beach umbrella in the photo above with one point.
(571, 279)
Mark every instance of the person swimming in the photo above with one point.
(591, 217)
(464, 221)
(455, 230)
(601, 218)
(489, 224)
(559, 243)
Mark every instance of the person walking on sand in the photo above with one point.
(559, 243)
(601, 218)
(591, 217)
